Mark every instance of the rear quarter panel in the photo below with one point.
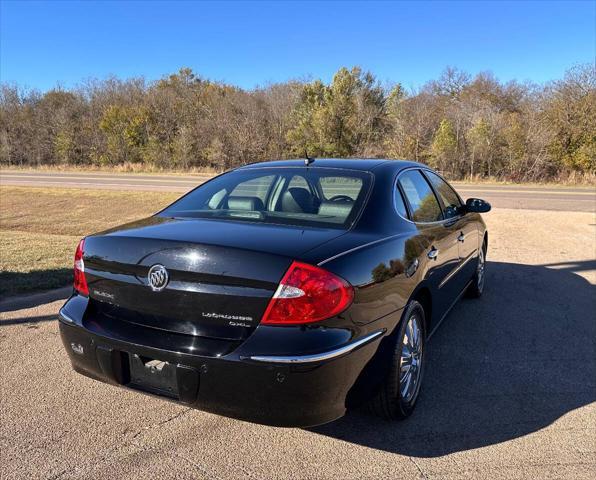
(383, 274)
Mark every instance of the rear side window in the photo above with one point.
(451, 202)
(398, 200)
(423, 203)
(316, 197)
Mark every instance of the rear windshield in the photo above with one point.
(317, 197)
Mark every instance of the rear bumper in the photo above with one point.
(296, 391)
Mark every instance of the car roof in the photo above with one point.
(364, 164)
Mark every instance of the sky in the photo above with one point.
(250, 44)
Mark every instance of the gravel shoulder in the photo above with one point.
(509, 392)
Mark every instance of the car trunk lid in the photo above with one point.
(221, 275)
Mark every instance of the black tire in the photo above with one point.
(479, 280)
(390, 403)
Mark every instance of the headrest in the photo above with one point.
(298, 200)
(245, 203)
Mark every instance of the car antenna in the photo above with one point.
(307, 160)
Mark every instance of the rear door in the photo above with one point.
(439, 237)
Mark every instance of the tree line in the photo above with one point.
(463, 125)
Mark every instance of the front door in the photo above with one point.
(463, 227)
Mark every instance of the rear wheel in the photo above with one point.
(477, 286)
(399, 393)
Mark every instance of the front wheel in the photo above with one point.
(477, 286)
(399, 393)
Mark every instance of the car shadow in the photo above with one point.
(19, 290)
(498, 368)
(18, 283)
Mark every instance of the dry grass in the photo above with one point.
(140, 168)
(30, 262)
(40, 227)
(571, 180)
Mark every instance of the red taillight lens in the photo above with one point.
(80, 282)
(307, 294)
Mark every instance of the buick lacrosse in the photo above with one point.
(280, 293)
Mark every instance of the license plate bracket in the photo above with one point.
(153, 376)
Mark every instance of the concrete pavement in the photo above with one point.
(509, 391)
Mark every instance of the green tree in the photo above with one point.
(337, 117)
(306, 136)
(515, 148)
(126, 132)
(339, 120)
(444, 146)
(65, 146)
(479, 139)
(571, 114)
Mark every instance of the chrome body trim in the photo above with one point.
(448, 310)
(64, 316)
(318, 357)
(458, 268)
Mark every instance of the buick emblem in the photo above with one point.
(158, 277)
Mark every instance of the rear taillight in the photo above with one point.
(307, 294)
(80, 282)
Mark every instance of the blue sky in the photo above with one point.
(248, 44)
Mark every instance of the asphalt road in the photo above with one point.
(579, 199)
(509, 391)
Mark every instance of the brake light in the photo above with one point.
(80, 282)
(307, 294)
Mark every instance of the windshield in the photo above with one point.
(318, 197)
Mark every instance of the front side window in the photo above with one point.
(423, 203)
(316, 197)
(451, 202)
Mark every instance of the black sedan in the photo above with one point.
(282, 292)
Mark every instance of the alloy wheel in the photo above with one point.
(480, 270)
(411, 359)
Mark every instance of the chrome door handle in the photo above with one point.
(461, 237)
(433, 254)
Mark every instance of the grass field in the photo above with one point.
(40, 228)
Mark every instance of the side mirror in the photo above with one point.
(477, 205)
